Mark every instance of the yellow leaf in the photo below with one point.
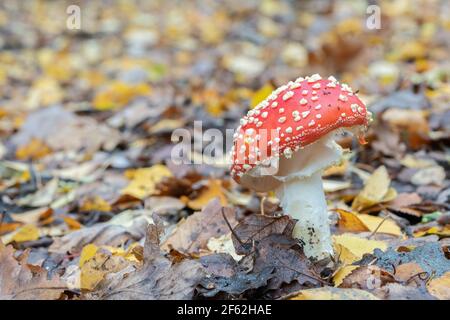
(34, 149)
(127, 254)
(440, 287)
(95, 203)
(351, 248)
(119, 94)
(439, 231)
(87, 253)
(353, 222)
(330, 293)
(213, 190)
(261, 94)
(28, 232)
(375, 189)
(144, 180)
(100, 263)
(342, 273)
(349, 221)
(387, 226)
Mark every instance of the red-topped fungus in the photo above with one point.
(286, 142)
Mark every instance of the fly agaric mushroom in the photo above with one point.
(295, 128)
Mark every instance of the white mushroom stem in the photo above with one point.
(303, 198)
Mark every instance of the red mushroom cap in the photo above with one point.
(292, 117)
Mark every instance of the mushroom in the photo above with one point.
(287, 141)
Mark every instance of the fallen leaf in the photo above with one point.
(431, 175)
(342, 273)
(33, 216)
(99, 234)
(330, 293)
(370, 278)
(376, 190)
(380, 225)
(20, 282)
(157, 279)
(100, 264)
(145, 180)
(350, 248)
(35, 149)
(349, 221)
(220, 264)
(213, 190)
(237, 284)
(62, 130)
(87, 253)
(256, 227)
(43, 197)
(440, 287)
(193, 234)
(119, 94)
(223, 244)
(289, 263)
(28, 232)
(95, 203)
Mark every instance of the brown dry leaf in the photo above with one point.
(414, 122)
(330, 293)
(8, 227)
(282, 254)
(193, 234)
(19, 281)
(62, 130)
(144, 180)
(403, 201)
(256, 227)
(32, 216)
(367, 278)
(440, 287)
(350, 248)
(99, 234)
(406, 271)
(157, 279)
(376, 190)
(213, 190)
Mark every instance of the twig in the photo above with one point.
(379, 225)
(231, 229)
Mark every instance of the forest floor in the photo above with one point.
(93, 207)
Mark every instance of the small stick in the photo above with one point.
(231, 229)
(379, 225)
